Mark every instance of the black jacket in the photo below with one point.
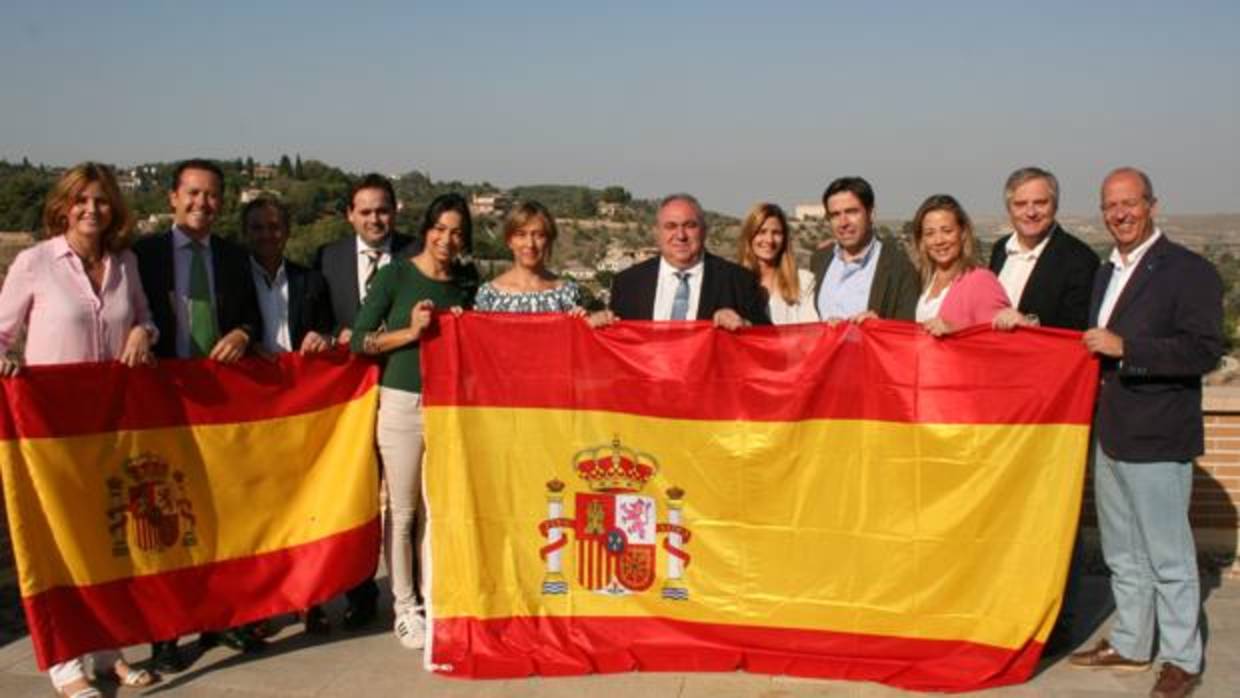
(1061, 282)
(724, 285)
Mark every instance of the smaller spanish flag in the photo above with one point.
(153, 502)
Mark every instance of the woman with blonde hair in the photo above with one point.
(77, 297)
(957, 291)
(765, 248)
(528, 286)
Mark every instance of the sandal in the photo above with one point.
(132, 678)
(83, 690)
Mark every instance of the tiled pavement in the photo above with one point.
(373, 664)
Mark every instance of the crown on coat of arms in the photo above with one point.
(147, 468)
(615, 468)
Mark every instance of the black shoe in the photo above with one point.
(166, 658)
(359, 614)
(316, 621)
(238, 639)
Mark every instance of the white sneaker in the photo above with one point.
(410, 629)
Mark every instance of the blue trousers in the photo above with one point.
(1148, 545)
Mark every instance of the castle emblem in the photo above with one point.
(615, 527)
(148, 506)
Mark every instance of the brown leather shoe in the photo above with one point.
(1174, 682)
(1104, 656)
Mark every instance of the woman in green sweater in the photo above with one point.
(397, 310)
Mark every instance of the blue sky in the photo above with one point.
(735, 101)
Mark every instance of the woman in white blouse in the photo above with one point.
(765, 247)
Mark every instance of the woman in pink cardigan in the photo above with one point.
(957, 292)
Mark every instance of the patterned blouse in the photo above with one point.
(560, 299)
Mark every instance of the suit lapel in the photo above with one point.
(1044, 269)
(296, 293)
(1140, 277)
(710, 282)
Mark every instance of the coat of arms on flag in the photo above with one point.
(615, 527)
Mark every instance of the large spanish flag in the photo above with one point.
(858, 502)
(148, 503)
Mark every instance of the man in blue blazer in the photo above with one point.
(1157, 312)
(685, 282)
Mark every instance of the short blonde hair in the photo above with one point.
(64, 193)
(525, 212)
(785, 264)
(968, 241)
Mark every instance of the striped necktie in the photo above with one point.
(680, 303)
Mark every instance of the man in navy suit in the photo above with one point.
(349, 264)
(202, 300)
(685, 282)
(1157, 312)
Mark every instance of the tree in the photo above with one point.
(285, 168)
(249, 167)
(298, 172)
(615, 195)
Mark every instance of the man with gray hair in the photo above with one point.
(1044, 270)
(685, 282)
(1157, 316)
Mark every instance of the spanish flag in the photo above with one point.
(851, 502)
(153, 502)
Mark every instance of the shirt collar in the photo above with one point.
(261, 272)
(181, 239)
(1135, 256)
(1014, 248)
(666, 269)
(864, 258)
(385, 248)
(60, 246)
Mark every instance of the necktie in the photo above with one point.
(680, 303)
(372, 257)
(202, 332)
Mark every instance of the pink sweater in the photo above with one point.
(974, 298)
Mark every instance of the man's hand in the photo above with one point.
(230, 348)
(314, 343)
(344, 335)
(863, 316)
(1105, 342)
(600, 318)
(728, 319)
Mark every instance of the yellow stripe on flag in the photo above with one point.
(853, 526)
(232, 472)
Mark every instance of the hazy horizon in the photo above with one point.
(732, 103)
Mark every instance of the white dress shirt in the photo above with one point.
(182, 256)
(802, 311)
(1120, 275)
(928, 306)
(273, 302)
(1018, 265)
(665, 292)
(363, 261)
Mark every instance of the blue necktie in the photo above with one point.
(680, 303)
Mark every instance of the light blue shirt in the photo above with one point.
(846, 286)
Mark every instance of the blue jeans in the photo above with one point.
(1148, 545)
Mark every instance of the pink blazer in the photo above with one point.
(974, 298)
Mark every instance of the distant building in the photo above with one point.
(251, 193)
(264, 172)
(489, 204)
(611, 209)
(809, 212)
(154, 223)
(578, 272)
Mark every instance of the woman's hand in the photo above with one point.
(863, 316)
(601, 318)
(937, 327)
(8, 367)
(1009, 319)
(137, 349)
(314, 343)
(420, 317)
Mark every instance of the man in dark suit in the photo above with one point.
(203, 302)
(293, 299)
(1157, 312)
(1046, 271)
(685, 282)
(349, 264)
(857, 275)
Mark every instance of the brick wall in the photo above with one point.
(1216, 485)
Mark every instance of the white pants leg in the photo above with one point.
(399, 435)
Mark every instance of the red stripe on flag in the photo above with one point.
(207, 597)
(881, 370)
(48, 401)
(559, 646)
